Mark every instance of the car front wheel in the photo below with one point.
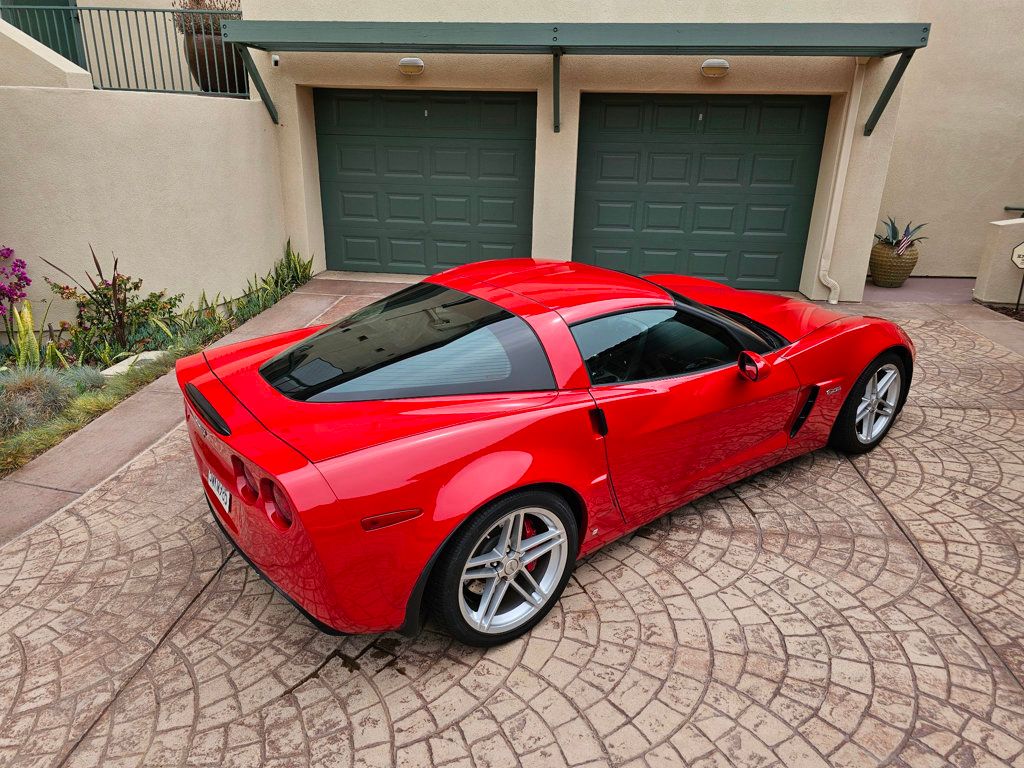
(506, 568)
(872, 406)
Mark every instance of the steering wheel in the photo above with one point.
(619, 362)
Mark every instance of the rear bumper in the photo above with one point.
(326, 628)
(344, 578)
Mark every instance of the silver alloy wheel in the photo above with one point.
(509, 577)
(878, 404)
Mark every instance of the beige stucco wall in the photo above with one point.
(185, 190)
(998, 278)
(958, 155)
(852, 180)
(26, 61)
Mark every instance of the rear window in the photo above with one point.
(426, 340)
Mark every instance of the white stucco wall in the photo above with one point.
(184, 190)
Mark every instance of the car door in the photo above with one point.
(679, 419)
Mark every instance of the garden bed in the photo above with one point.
(51, 383)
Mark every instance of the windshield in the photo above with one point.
(425, 340)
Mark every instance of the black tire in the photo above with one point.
(447, 583)
(844, 432)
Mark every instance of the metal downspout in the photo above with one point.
(839, 172)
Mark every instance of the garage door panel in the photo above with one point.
(711, 264)
(715, 219)
(722, 168)
(408, 253)
(664, 216)
(395, 206)
(719, 215)
(412, 252)
(799, 120)
(356, 159)
(440, 114)
(727, 118)
(720, 187)
(415, 181)
(404, 208)
(669, 168)
(425, 159)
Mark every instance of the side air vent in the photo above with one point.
(801, 417)
(206, 410)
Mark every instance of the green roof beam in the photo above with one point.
(556, 88)
(887, 91)
(817, 39)
(261, 88)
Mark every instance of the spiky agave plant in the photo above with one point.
(900, 242)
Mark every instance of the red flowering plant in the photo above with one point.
(114, 317)
(14, 280)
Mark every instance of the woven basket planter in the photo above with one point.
(889, 270)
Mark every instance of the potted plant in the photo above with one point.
(215, 65)
(894, 255)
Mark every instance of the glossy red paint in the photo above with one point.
(377, 488)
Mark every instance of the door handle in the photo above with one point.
(600, 422)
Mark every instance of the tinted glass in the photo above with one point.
(424, 340)
(652, 344)
(755, 336)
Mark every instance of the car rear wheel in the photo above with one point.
(506, 568)
(872, 406)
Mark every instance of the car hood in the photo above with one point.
(322, 431)
(792, 318)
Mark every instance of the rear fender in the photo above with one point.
(449, 475)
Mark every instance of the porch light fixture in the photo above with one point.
(714, 68)
(411, 66)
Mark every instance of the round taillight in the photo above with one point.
(279, 508)
(244, 481)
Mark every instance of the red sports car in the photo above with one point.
(454, 448)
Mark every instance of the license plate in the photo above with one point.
(223, 494)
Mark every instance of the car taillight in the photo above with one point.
(244, 481)
(279, 509)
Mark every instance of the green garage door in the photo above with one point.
(419, 181)
(715, 186)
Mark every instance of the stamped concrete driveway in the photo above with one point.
(828, 611)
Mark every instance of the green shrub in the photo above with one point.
(20, 447)
(85, 393)
(115, 318)
(83, 378)
(15, 415)
(262, 292)
(43, 390)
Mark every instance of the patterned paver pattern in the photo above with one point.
(826, 612)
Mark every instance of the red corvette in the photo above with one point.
(452, 449)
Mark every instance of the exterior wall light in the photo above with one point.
(714, 68)
(411, 66)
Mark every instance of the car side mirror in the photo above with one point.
(753, 367)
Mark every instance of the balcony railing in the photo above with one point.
(139, 49)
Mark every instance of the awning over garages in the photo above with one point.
(557, 39)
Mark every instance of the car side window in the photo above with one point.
(652, 344)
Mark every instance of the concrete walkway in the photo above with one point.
(826, 612)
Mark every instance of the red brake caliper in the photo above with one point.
(529, 530)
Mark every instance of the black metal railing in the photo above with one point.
(139, 49)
